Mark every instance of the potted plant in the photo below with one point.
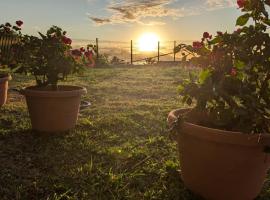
(48, 58)
(8, 35)
(224, 138)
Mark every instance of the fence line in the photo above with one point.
(127, 52)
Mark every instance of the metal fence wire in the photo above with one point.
(129, 52)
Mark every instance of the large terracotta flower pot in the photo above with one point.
(3, 88)
(53, 111)
(221, 165)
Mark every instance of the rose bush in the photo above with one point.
(233, 88)
(47, 57)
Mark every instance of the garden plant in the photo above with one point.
(49, 59)
(226, 133)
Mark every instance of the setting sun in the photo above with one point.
(148, 42)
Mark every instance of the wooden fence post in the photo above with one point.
(131, 52)
(97, 50)
(174, 54)
(158, 50)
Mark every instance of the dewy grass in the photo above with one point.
(119, 149)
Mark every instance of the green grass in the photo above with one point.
(119, 149)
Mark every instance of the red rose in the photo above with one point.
(206, 35)
(241, 3)
(88, 54)
(66, 40)
(82, 49)
(19, 23)
(197, 45)
(233, 72)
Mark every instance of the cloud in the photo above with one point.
(218, 4)
(137, 11)
(124, 11)
(100, 21)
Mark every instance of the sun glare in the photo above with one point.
(148, 42)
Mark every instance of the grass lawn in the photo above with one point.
(119, 149)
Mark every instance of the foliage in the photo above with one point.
(233, 87)
(48, 57)
(9, 34)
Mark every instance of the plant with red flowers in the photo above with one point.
(233, 87)
(47, 57)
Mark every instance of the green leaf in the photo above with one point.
(204, 75)
(239, 64)
(180, 88)
(216, 40)
(267, 21)
(242, 20)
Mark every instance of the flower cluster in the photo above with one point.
(66, 40)
(233, 87)
(46, 57)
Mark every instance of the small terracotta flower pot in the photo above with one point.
(3, 88)
(53, 111)
(221, 165)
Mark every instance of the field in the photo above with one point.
(119, 150)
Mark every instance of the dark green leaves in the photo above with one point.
(243, 19)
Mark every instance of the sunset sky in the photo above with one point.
(123, 19)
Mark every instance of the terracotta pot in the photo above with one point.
(3, 88)
(221, 165)
(53, 111)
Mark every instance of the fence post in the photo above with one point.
(97, 50)
(174, 54)
(131, 52)
(158, 50)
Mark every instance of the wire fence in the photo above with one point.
(130, 52)
(126, 52)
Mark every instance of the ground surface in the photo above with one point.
(119, 149)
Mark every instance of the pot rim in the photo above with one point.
(217, 135)
(65, 91)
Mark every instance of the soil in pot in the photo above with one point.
(53, 110)
(221, 165)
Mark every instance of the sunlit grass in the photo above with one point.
(119, 149)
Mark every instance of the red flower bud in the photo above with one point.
(66, 40)
(82, 49)
(88, 54)
(233, 72)
(206, 35)
(241, 3)
(19, 23)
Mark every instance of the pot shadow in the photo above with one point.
(36, 165)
